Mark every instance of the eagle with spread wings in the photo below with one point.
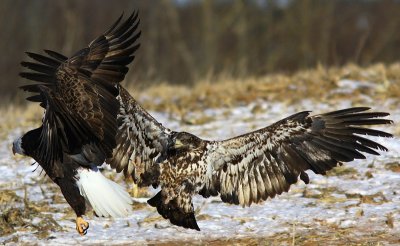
(242, 170)
(80, 122)
(89, 118)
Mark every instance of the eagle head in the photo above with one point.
(185, 141)
(17, 147)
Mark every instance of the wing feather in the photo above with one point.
(59, 57)
(141, 142)
(79, 93)
(252, 167)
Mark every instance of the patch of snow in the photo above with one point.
(218, 220)
(347, 86)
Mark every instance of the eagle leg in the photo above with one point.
(71, 193)
(81, 226)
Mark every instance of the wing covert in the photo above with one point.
(252, 167)
(141, 142)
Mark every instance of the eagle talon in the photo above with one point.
(81, 226)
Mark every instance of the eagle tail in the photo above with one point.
(172, 212)
(107, 198)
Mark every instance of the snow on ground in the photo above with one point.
(361, 199)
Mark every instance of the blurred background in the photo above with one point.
(186, 41)
(217, 69)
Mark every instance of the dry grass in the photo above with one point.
(228, 92)
(13, 218)
(313, 84)
(13, 117)
(309, 84)
(313, 238)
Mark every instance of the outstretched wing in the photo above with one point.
(141, 142)
(252, 167)
(81, 90)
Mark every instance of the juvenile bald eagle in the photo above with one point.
(242, 170)
(80, 122)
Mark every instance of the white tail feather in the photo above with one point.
(106, 197)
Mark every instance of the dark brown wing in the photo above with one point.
(46, 143)
(106, 58)
(252, 167)
(141, 142)
(81, 90)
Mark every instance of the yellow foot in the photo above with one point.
(81, 226)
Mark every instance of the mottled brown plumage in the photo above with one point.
(141, 142)
(267, 161)
(242, 170)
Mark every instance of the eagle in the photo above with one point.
(77, 134)
(90, 118)
(242, 170)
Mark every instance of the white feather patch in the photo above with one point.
(107, 198)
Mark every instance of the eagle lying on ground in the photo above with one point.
(80, 122)
(242, 170)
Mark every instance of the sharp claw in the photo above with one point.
(81, 226)
(85, 231)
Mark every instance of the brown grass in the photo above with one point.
(313, 84)
(13, 116)
(228, 92)
(324, 235)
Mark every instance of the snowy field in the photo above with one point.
(356, 203)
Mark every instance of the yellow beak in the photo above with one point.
(178, 144)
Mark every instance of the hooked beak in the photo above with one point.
(16, 149)
(178, 144)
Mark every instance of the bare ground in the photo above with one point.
(33, 211)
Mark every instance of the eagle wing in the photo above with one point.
(252, 167)
(50, 138)
(141, 142)
(79, 93)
